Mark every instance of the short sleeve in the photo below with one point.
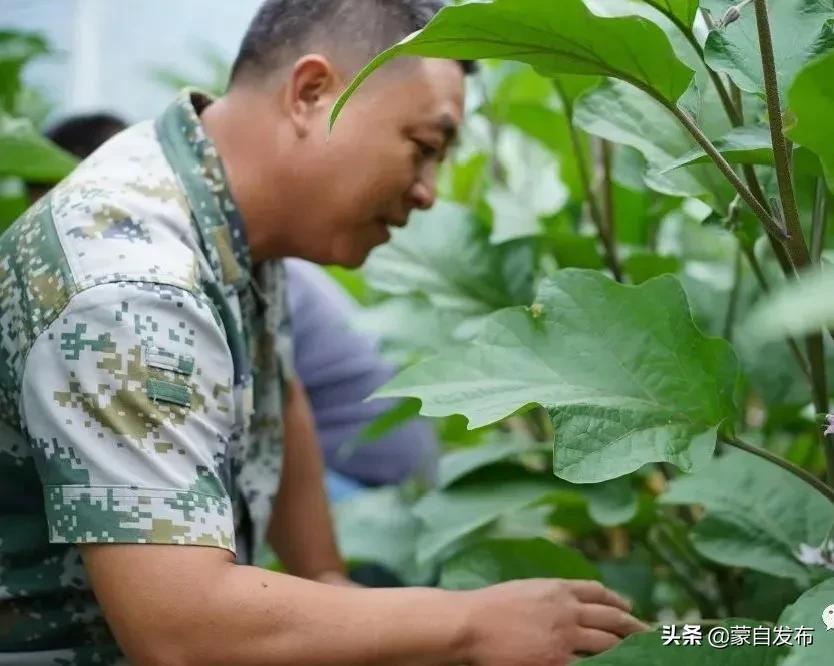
(128, 406)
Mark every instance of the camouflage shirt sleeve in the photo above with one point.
(127, 401)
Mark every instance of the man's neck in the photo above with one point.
(241, 140)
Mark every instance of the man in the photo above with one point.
(338, 367)
(147, 392)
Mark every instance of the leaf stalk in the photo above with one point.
(787, 465)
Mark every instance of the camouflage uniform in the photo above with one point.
(142, 365)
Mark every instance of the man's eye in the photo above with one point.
(427, 151)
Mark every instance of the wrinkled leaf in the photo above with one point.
(499, 561)
(758, 514)
(623, 371)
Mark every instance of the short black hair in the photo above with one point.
(82, 134)
(282, 29)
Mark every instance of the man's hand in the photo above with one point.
(545, 622)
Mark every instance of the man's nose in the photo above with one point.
(424, 194)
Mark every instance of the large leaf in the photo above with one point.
(555, 38)
(626, 375)
(758, 515)
(811, 99)
(648, 649)
(501, 560)
(444, 256)
(809, 611)
(625, 115)
(24, 153)
(801, 29)
(452, 514)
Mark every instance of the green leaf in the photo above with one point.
(16, 49)
(801, 30)
(459, 464)
(444, 256)
(532, 188)
(611, 503)
(625, 115)
(500, 561)
(811, 99)
(452, 514)
(627, 377)
(398, 415)
(647, 649)
(794, 309)
(377, 526)
(24, 153)
(747, 145)
(644, 266)
(682, 11)
(808, 611)
(758, 514)
(563, 38)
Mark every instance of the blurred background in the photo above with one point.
(100, 61)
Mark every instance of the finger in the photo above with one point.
(610, 619)
(594, 592)
(594, 641)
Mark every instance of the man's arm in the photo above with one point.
(184, 606)
(192, 606)
(301, 529)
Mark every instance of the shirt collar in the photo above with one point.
(197, 164)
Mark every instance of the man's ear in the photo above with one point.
(313, 87)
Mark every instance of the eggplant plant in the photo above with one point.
(623, 298)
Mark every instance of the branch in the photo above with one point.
(725, 168)
(762, 280)
(732, 306)
(819, 221)
(796, 241)
(585, 180)
(805, 475)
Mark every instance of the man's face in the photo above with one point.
(381, 160)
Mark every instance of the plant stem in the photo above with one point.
(609, 248)
(819, 221)
(805, 475)
(762, 280)
(608, 219)
(725, 168)
(795, 242)
(732, 306)
(797, 249)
